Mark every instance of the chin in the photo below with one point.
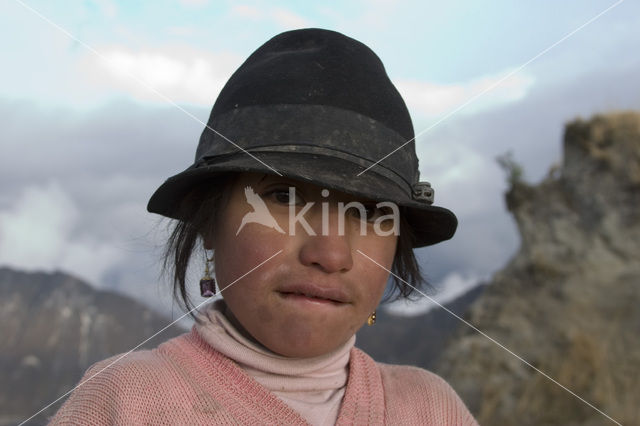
(303, 348)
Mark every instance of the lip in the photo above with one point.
(315, 292)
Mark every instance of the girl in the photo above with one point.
(305, 188)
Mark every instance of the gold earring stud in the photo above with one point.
(372, 318)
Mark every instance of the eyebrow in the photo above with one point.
(264, 176)
(285, 179)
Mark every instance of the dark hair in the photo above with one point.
(199, 212)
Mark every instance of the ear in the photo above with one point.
(207, 241)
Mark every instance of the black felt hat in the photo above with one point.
(317, 106)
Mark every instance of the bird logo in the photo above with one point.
(260, 213)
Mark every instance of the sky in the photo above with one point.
(102, 100)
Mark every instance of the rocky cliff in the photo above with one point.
(569, 301)
(53, 327)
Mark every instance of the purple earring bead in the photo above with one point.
(207, 287)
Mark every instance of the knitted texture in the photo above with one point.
(185, 381)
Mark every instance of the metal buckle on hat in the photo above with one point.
(422, 191)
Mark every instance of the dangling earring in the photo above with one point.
(372, 318)
(207, 283)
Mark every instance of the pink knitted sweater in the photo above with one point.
(186, 382)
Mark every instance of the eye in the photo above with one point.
(372, 212)
(283, 195)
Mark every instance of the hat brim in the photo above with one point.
(430, 224)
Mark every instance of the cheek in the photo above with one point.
(244, 284)
(379, 277)
(375, 276)
(238, 255)
(260, 255)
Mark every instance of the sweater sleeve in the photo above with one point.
(96, 400)
(118, 391)
(413, 394)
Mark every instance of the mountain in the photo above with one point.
(416, 340)
(568, 302)
(53, 328)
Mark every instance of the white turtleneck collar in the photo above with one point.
(312, 386)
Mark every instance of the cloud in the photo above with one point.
(453, 286)
(287, 19)
(37, 232)
(183, 74)
(247, 11)
(430, 100)
(34, 229)
(74, 188)
(283, 18)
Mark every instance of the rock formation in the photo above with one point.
(569, 301)
(53, 328)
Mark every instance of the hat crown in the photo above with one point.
(317, 67)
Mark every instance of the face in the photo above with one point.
(318, 290)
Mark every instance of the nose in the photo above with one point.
(327, 250)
